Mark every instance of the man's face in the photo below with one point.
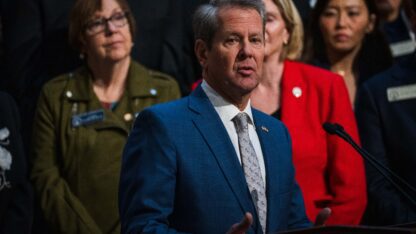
(233, 64)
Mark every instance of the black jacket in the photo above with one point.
(15, 190)
(386, 117)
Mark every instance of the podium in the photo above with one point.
(410, 229)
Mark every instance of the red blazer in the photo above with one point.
(328, 170)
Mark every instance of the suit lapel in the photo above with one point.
(271, 154)
(210, 126)
(267, 146)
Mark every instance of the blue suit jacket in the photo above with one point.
(180, 173)
(388, 131)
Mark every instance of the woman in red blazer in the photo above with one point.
(329, 171)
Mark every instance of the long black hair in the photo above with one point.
(373, 57)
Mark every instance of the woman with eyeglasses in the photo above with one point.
(83, 119)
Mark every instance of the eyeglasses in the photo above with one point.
(96, 26)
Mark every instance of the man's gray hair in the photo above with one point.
(205, 20)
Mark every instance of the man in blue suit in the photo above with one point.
(209, 163)
(386, 117)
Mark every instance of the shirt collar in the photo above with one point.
(225, 109)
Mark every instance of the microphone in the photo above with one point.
(332, 128)
(336, 129)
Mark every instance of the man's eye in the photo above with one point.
(256, 40)
(231, 40)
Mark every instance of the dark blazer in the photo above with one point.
(180, 173)
(15, 190)
(178, 56)
(388, 131)
(304, 9)
(329, 171)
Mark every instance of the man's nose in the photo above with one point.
(246, 50)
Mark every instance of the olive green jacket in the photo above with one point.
(77, 147)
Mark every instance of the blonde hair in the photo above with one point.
(294, 47)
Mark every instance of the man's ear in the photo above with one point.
(201, 51)
(371, 24)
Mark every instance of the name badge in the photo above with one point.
(402, 48)
(400, 93)
(87, 118)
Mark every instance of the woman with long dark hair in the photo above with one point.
(344, 37)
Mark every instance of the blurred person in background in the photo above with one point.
(329, 172)
(386, 116)
(344, 37)
(83, 119)
(16, 194)
(36, 47)
(1, 42)
(396, 26)
(304, 7)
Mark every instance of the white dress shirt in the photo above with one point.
(227, 112)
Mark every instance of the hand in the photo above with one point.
(322, 216)
(242, 226)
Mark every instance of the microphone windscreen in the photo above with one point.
(330, 128)
(338, 127)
